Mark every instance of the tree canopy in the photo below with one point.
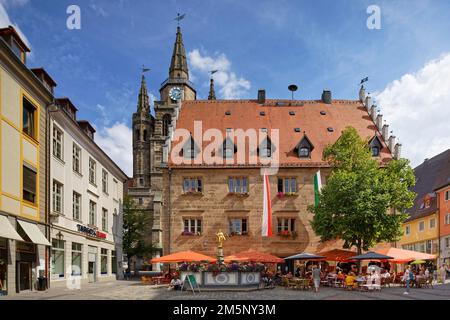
(135, 225)
(362, 202)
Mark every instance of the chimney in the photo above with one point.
(262, 96)
(391, 143)
(368, 103)
(385, 132)
(362, 94)
(373, 113)
(398, 151)
(326, 97)
(380, 122)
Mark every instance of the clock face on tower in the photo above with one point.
(175, 93)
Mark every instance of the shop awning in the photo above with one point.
(183, 256)
(7, 230)
(253, 256)
(405, 256)
(34, 233)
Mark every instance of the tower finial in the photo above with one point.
(178, 65)
(143, 100)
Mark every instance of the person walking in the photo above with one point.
(407, 277)
(316, 277)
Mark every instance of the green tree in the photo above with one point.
(361, 203)
(135, 225)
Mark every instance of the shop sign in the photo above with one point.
(91, 232)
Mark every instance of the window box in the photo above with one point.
(291, 194)
(193, 192)
(236, 233)
(190, 234)
(238, 194)
(280, 195)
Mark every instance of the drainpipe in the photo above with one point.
(51, 109)
(170, 209)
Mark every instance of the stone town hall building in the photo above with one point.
(192, 201)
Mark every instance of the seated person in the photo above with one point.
(350, 281)
(175, 284)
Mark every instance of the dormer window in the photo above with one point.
(266, 148)
(304, 148)
(375, 146)
(303, 152)
(190, 149)
(375, 151)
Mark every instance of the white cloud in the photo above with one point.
(116, 141)
(230, 85)
(98, 10)
(417, 107)
(5, 21)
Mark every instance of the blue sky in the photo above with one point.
(258, 44)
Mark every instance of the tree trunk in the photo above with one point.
(359, 251)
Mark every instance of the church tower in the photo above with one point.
(142, 131)
(178, 86)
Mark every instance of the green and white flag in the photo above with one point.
(317, 187)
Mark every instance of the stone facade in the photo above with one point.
(215, 206)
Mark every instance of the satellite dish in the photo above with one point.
(293, 88)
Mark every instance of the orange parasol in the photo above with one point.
(183, 256)
(338, 255)
(254, 256)
(404, 256)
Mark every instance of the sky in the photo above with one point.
(256, 44)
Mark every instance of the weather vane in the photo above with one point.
(180, 17)
(144, 69)
(364, 80)
(213, 71)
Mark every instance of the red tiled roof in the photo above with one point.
(245, 114)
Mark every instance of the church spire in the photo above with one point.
(212, 92)
(143, 101)
(178, 66)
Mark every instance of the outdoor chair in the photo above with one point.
(429, 282)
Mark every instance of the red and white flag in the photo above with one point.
(267, 210)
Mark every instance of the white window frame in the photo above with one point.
(447, 218)
(422, 223)
(60, 250)
(434, 223)
(105, 177)
(80, 252)
(76, 158)
(58, 194)
(286, 224)
(92, 213)
(102, 256)
(239, 188)
(75, 205)
(58, 143)
(105, 219)
(407, 230)
(447, 195)
(447, 242)
(193, 225)
(92, 171)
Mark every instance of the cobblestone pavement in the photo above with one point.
(130, 290)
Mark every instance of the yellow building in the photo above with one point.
(24, 97)
(421, 229)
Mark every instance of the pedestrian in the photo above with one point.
(407, 277)
(442, 273)
(316, 277)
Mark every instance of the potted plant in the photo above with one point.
(280, 195)
(285, 233)
(187, 233)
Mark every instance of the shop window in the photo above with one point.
(3, 266)
(29, 121)
(238, 226)
(113, 262)
(77, 259)
(104, 261)
(238, 185)
(29, 184)
(58, 258)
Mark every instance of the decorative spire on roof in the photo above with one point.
(143, 101)
(212, 92)
(178, 65)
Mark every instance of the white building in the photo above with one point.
(85, 203)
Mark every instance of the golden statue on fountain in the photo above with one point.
(220, 238)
